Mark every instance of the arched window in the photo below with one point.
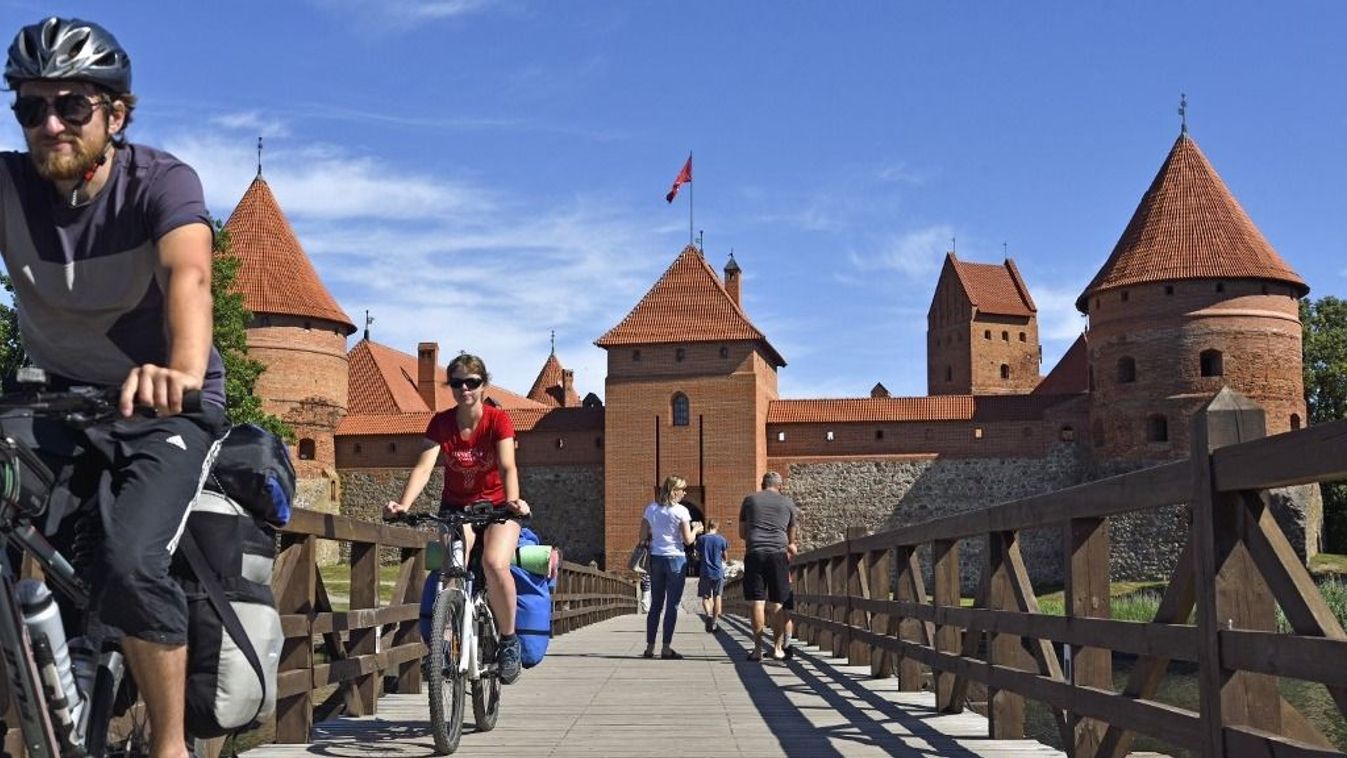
(680, 354)
(986, 334)
(1157, 428)
(1092, 378)
(306, 449)
(1005, 371)
(1005, 336)
(1213, 363)
(681, 413)
(1068, 433)
(1295, 421)
(1127, 370)
(949, 373)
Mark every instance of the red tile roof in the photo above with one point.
(896, 409)
(1189, 226)
(549, 388)
(994, 288)
(1071, 374)
(276, 276)
(382, 382)
(687, 304)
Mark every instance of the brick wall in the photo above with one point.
(958, 439)
(305, 381)
(1008, 341)
(721, 452)
(1164, 329)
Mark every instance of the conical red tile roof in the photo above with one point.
(550, 387)
(1189, 226)
(687, 304)
(276, 275)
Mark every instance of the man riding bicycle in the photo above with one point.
(108, 245)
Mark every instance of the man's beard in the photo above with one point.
(54, 166)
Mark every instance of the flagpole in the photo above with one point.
(692, 192)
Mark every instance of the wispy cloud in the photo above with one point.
(916, 254)
(253, 123)
(900, 173)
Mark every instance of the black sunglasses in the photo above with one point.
(73, 108)
(471, 382)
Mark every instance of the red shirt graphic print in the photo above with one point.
(471, 466)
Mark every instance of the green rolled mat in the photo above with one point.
(535, 559)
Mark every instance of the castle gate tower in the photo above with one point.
(688, 387)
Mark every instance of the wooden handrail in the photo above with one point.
(1237, 568)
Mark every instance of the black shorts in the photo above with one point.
(766, 576)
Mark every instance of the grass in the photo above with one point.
(1328, 564)
(337, 579)
(1130, 601)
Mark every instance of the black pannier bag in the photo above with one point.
(234, 637)
(253, 468)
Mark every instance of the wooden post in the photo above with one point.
(296, 576)
(909, 629)
(945, 560)
(878, 583)
(1231, 593)
(1087, 596)
(858, 585)
(837, 586)
(1005, 709)
(407, 633)
(362, 696)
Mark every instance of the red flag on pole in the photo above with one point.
(684, 177)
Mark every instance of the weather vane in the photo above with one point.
(1183, 113)
(368, 320)
(554, 342)
(259, 156)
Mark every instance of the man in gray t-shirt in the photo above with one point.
(767, 522)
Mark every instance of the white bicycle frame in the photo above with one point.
(468, 659)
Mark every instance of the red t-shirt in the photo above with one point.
(471, 466)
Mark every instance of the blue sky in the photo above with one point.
(482, 172)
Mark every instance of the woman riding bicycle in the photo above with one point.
(478, 445)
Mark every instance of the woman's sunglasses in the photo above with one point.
(73, 108)
(471, 382)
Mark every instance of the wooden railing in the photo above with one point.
(866, 598)
(363, 645)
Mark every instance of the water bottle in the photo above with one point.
(43, 619)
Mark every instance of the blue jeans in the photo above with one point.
(666, 591)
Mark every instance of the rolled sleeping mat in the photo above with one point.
(535, 559)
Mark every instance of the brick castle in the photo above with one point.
(1192, 298)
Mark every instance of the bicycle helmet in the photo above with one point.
(68, 48)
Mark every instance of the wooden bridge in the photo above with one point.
(889, 667)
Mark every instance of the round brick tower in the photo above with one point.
(1193, 298)
(299, 333)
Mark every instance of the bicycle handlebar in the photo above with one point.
(81, 406)
(480, 513)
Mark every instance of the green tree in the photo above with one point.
(231, 339)
(1325, 345)
(11, 349)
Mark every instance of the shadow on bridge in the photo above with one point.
(867, 717)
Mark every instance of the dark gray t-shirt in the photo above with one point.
(766, 516)
(88, 287)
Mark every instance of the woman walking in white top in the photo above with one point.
(667, 529)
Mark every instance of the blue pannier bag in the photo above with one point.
(533, 608)
(533, 604)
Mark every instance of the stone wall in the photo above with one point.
(884, 494)
(568, 501)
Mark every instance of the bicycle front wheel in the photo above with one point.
(486, 689)
(443, 679)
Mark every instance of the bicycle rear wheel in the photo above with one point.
(445, 682)
(486, 690)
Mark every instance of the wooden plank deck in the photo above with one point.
(594, 696)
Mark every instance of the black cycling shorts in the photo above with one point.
(766, 576)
